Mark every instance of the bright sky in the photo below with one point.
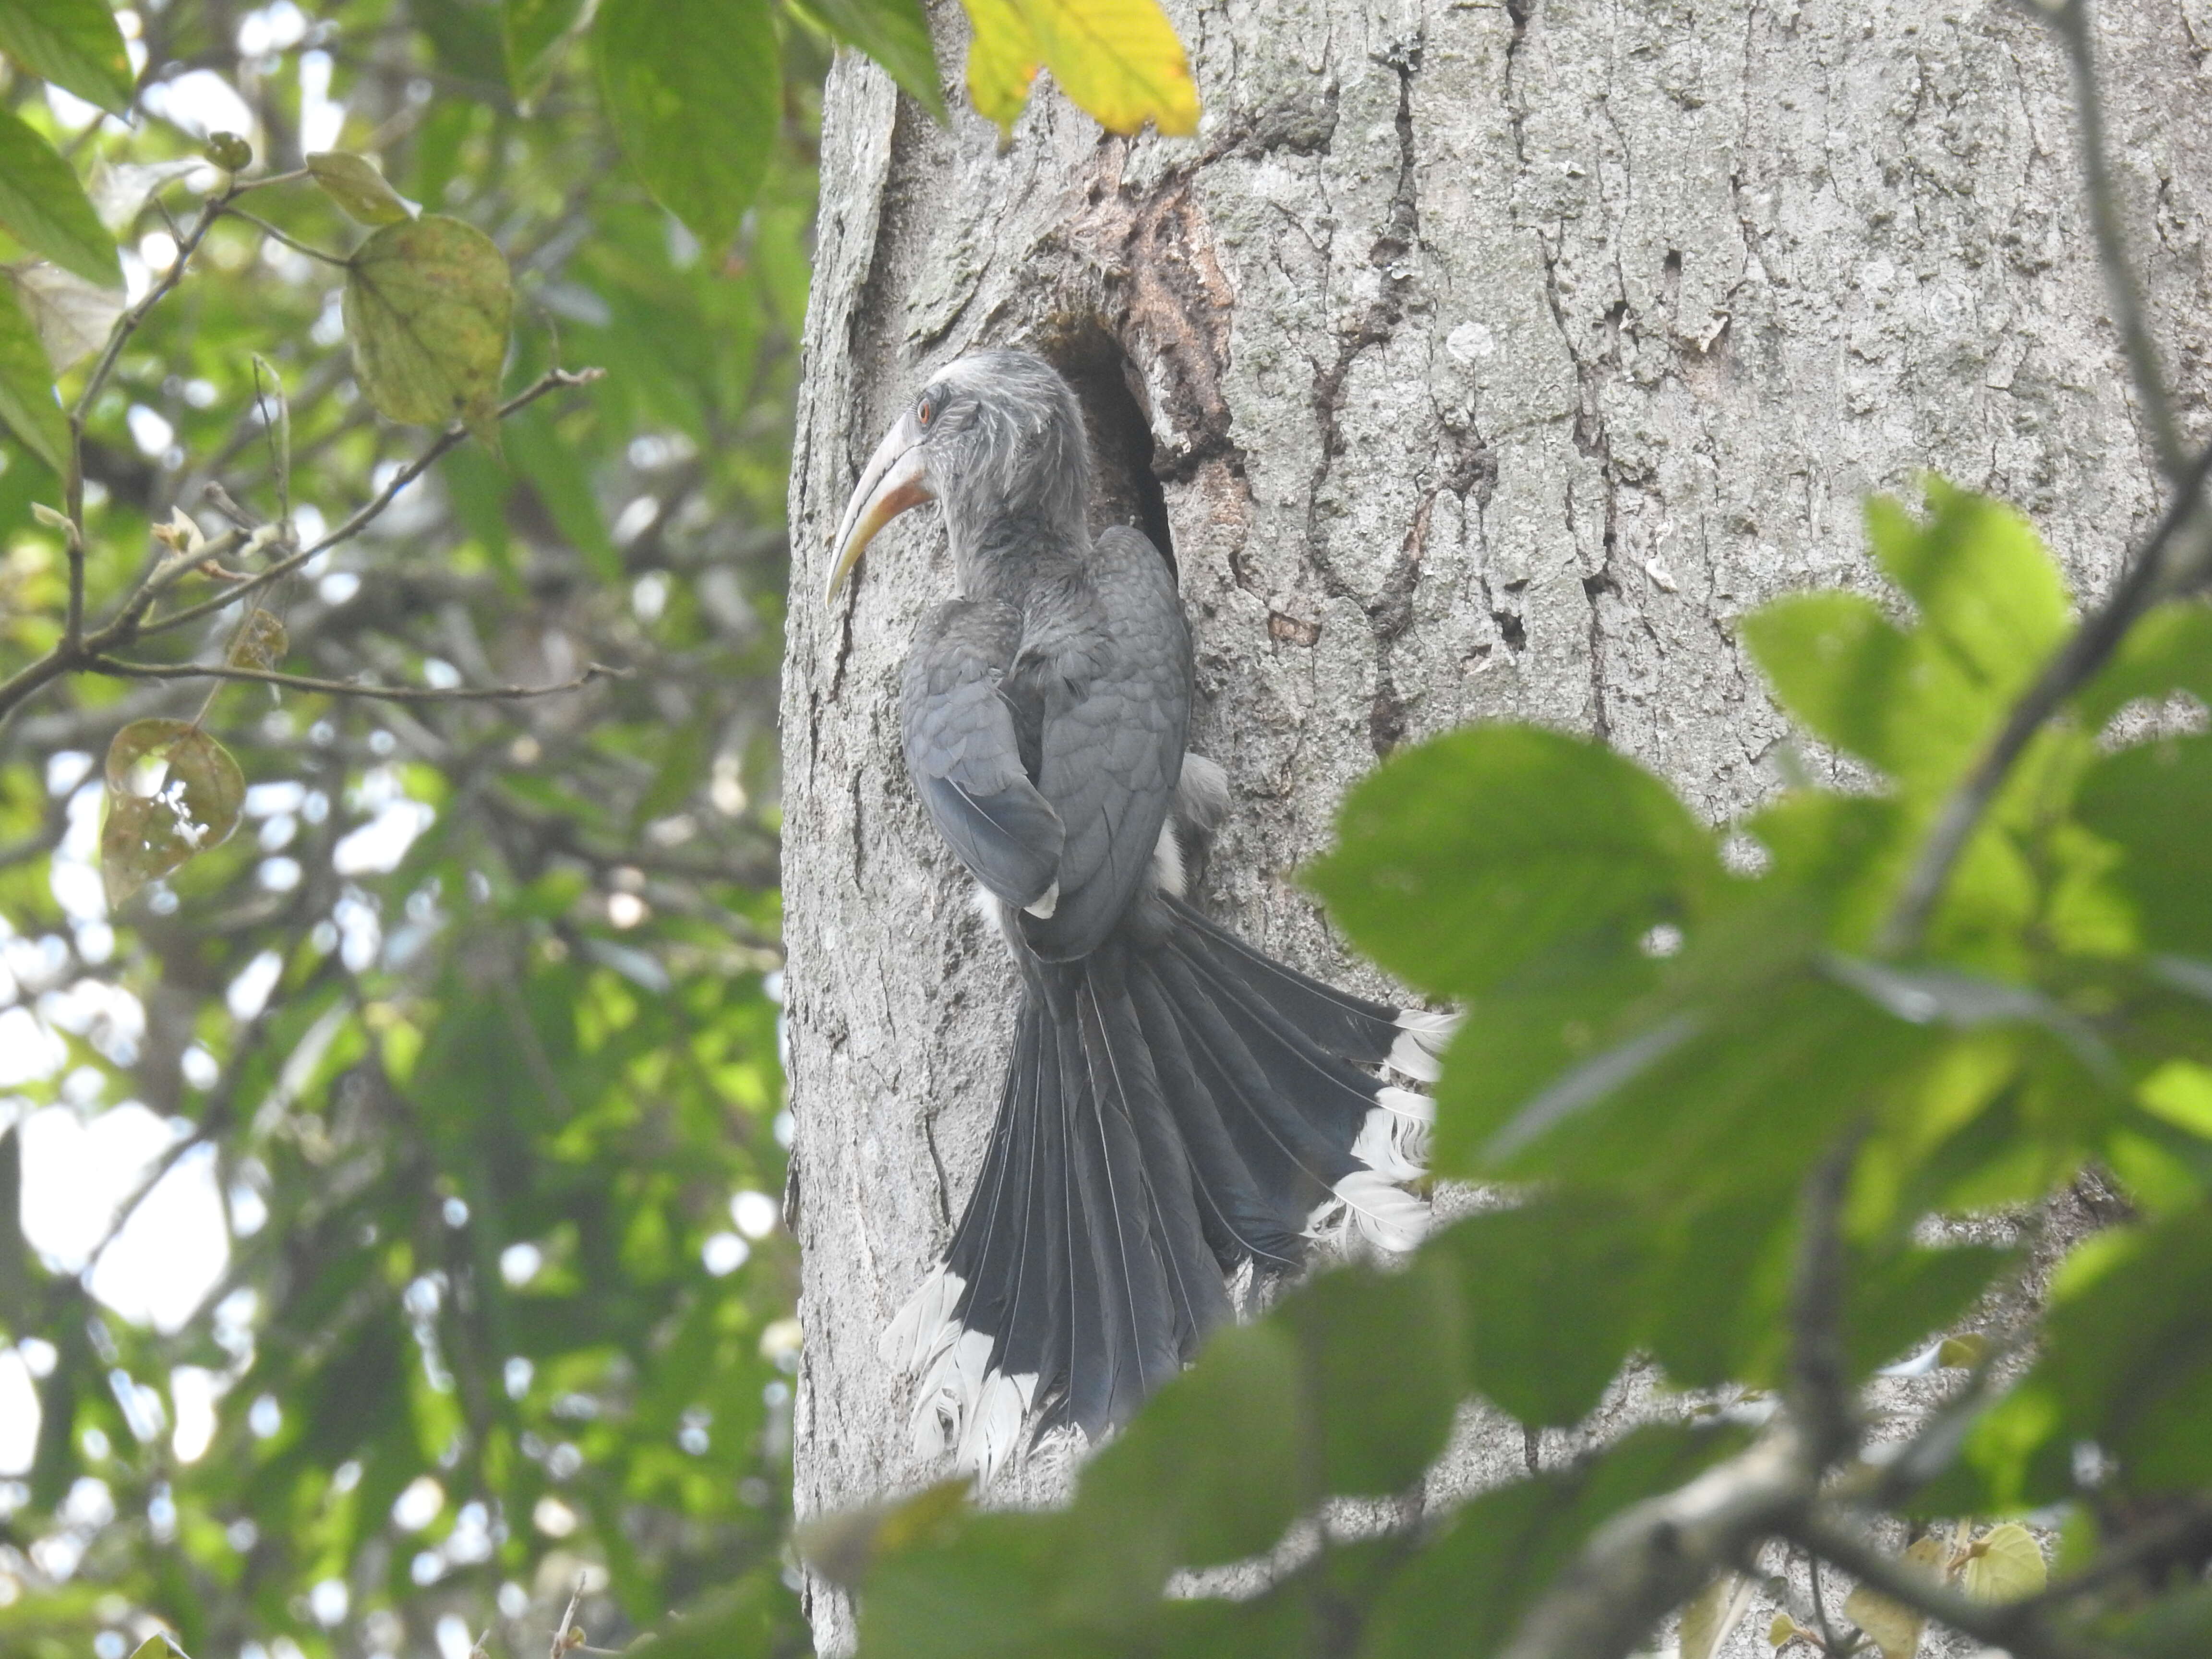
(86, 1153)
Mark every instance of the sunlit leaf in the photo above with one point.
(26, 386)
(172, 790)
(1119, 60)
(353, 183)
(427, 305)
(75, 43)
(693, 88)
(42, 203)
(2004, 1565)
(1003, 55)
(73, 316)
(1981, 578)
(2153, 802)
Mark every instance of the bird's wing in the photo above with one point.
(965, 758)
(1115, 709)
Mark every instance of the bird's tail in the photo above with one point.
(1177, 1115)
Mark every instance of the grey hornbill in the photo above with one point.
(1180, 1111)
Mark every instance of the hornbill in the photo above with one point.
(1180, 1113)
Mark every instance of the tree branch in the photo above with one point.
(2085, 652)
(117, 669)
(2019, 1627)
(552, 380)
(2069, 21)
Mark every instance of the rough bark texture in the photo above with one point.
(1493, 361)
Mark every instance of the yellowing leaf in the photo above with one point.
(427, 308)
(261, 643)
(1711, 1619)
(1118, 59)
(1963, 1351)
(353, 183)
(1002, 60)
(1894, 1627)
(172, 790)
(2005, 1565)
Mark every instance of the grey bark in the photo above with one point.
(1496, 360)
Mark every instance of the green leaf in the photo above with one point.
(26, 386)
(694, 90)
(1894, 1305)
(1987, 589)
(74, 43)
(172, 790)
(1554, 1296)
(531, 33)
(896, 35)
(72, 317)
(1383, 1367)
(2129, 1359)
(1462, 859)
(2154, 803)
(353, 183)
(159, 1646)
(427, 308)
(2169, 650)
(1208, 1473)
(44, 205)
(1466, 1591)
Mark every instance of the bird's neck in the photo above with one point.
(1010, 555)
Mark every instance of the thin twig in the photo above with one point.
(118, 669)
(2019, 1627)
(286, 237)
(2069, 21)
(553, 380)
(2085, 652)
(567, 1626)
(1820, 1370)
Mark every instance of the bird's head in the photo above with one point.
(997, 437)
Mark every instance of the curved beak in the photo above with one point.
(895, 479)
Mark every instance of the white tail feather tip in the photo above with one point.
(1419, 1050)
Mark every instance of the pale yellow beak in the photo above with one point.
(895, 479)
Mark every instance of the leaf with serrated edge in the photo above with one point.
(42, 203)
(172, 790)
(2005, 1565)
(261, 643)
(353, 182)
(74, 45)
(26, 386)
(427, 307)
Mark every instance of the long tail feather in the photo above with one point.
(1176, 1111)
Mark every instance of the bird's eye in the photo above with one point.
(925, 409)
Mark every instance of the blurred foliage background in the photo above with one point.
(400, 1181)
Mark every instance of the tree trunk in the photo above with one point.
(1482, 362)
